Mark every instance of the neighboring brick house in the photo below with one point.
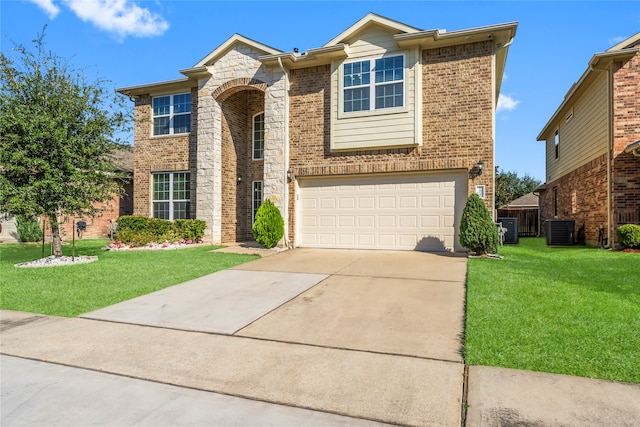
(371, 141)
(593, 147)
(98, 227)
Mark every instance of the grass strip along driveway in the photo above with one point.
(116, 276)
(572, 310)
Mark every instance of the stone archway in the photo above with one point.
(240, 101)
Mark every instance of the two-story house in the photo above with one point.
(593, 147)
(374, 140)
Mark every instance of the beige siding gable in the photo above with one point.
(382, 128)
(582, 132)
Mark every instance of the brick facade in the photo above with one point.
(626, 130)
(167, 153)
(457, 123)
(581, 196)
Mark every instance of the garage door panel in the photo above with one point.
(394, 211)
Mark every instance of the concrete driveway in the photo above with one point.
(373, 335)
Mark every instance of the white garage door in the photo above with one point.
(403, 211)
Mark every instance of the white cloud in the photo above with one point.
(615, 40)
(47, 7)
(121, 17)
(506, 103)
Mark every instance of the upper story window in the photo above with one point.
(556, 142)
(258, 136)
(364, 92)
(172, 114)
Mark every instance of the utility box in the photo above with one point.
(560, 232)
(511, 236)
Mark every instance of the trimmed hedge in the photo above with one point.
(629, 236)
(268, 228)
(139, 231)
(478, 232)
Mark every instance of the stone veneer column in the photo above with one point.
(274, 145)
(208, 192)
(239, 62)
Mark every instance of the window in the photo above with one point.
(172, 114)
(171, 195)
(258, 136)
(386, 88)
(555, 202)
(556, 142)
(256, 199)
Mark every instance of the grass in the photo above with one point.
(572, 310)
(116, 276)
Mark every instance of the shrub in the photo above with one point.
(141, 230)
(28, 229)
(478, 232)
(628, 235)
(268, 228)
(189, 229)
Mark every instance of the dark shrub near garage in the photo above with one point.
(268, 227)
(478, 232)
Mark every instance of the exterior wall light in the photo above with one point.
(289, 178)
(480, 167)
(238, 179)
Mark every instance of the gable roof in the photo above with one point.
(529, 200)
(229, 44)
(371, 19)
(623, 51)
(626, 43)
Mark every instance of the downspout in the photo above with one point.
(607, 69)
(285, 135)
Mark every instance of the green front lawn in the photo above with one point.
(115, 277)
(572, 310)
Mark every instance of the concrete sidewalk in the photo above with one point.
(380, 387)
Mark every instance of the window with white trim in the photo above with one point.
(171, 195)
(386, 88)
(256, 199)
(556, 142)
(258, 136)
(171, 114)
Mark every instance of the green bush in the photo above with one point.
(140, 230)
(189, 229)
(268, 228)
(28, 229)
(478, 232)
(628, 235)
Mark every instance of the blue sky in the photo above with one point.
(132, 42)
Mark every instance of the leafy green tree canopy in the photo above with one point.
(509, 186)
(58, 130)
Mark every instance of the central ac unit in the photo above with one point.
(560, 232)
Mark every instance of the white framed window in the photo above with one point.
(171, 195)
(373, 84)
(256, 199)
(480, 191)
(258, 136)
(171, 114)
(556, 142)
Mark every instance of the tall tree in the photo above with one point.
(509, 186)
(57, 132)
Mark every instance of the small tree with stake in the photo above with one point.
(58, 132)
(478, 232)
